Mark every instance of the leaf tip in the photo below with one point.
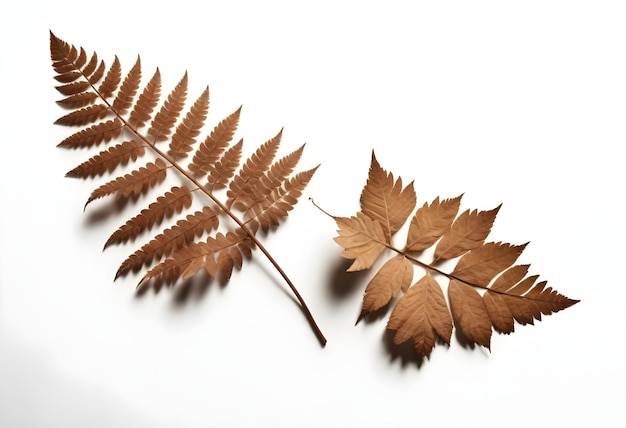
(362, 315)
(374, 160)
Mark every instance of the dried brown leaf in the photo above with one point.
(422, 315)
(469, 313)
(430, 222)
(93, 92)
(511, 298)
(147, 101)
(94, 135)
(112, 80)
(217, 255)
(383, 199)
(165, 206)
(364, 240)
(78, 100)
(84, 116)
(480, 265)
(189, 128)
(214, 145)
(468, 231)
(271, 181)
(108, 160)
(91, 66)
(134, 183)
(128, 90)
(165, 119)
(395, 275)
(242, 186)
(96, 76)
(181, 234)
(224, 169)
(73, 88)
(276, 205)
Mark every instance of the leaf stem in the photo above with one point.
(410, 257)
(242, 225)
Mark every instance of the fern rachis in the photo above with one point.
(109, 109)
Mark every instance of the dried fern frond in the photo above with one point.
(486, 290)
(113, 110)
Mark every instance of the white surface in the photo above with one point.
(516, 103)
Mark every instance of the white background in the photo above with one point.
(519, 103)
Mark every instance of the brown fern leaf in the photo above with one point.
(78, 100)
(224, 169)
(187, 131)
(166, 118)
(241, 187)
(91, 65)
(164, 207)
(272, 179)
(85, 115)
(109, 159)
(73, 88)
(96, 75)
(94, 135)
(112, 80)
(214, 145)
(486, 290)
(107, 109)
(182, 233)
(128, 90)
(148, 100)
(217, 255)
(275, 206)
(132, 184)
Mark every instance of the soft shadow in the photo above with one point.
(463, 340)
(343, 284)
(288, 292)
(404, 352)
(184, 293)
(377, 315)
(192, 291)
(105, 211)
(466, 343)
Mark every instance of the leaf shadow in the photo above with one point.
(463, 340)
(183, 293)
(106, 211)
(192, 290)
(377, 315)
(342, 283)
(404, 352)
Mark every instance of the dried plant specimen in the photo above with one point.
(486, 290)
(133, 123)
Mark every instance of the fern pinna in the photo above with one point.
(422, 314)
(256, 196)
